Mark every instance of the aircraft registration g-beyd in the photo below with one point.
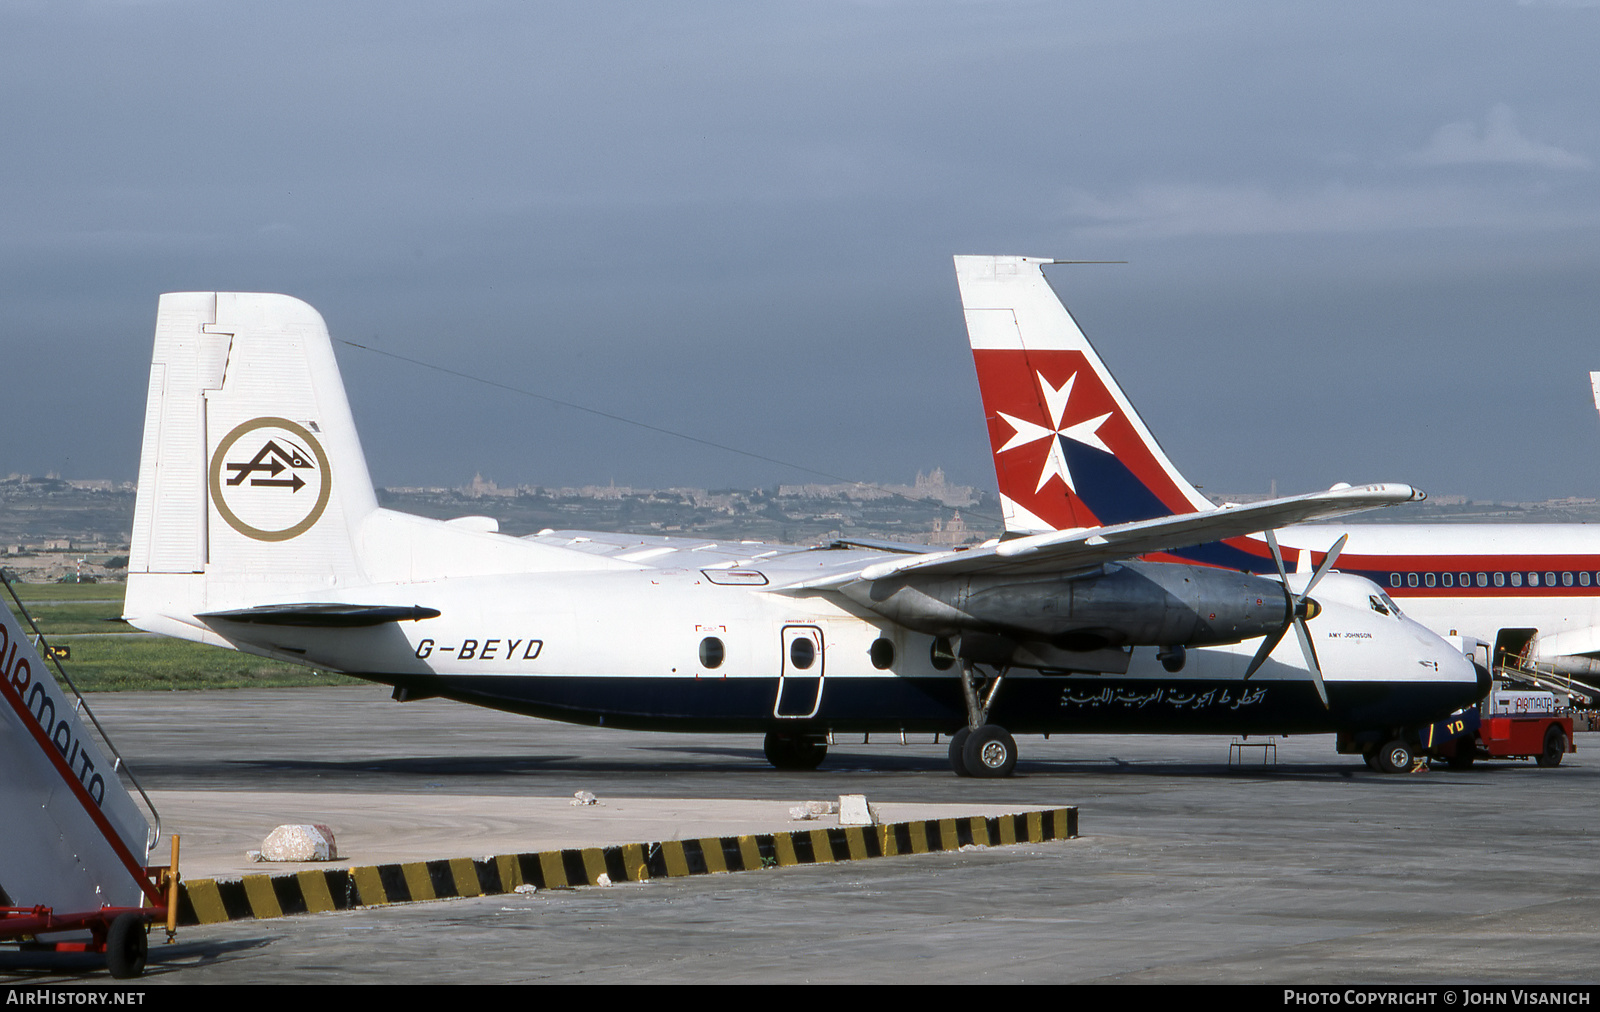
(1070, 451)
(257, 528)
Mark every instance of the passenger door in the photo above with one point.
(800, 678)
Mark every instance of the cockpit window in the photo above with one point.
(1383, 605)
(1377, 605)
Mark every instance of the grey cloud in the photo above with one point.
(1165, 211)
(1498, 142)
(736, 219)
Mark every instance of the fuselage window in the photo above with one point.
(1550, 580)
(882, 653)
(802, 652)
(711, 652)
(1466, 580)
(1566, 579)
(1483, 580)
(1516, 579)
(943, 655)
(1427, 579)
(1533, 579)
(1499, 579)
(1411, 579)
(1394, 579)
(1449, 579)
(1583, 578)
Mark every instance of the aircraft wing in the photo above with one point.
(1057, 551)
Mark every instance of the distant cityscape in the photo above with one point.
(54, 529)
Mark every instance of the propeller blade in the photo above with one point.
(1311, 659)
(1277, 556)
(1268, 645)
(1327, 564)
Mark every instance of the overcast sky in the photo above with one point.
(1363, 238)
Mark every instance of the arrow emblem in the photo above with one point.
(272, 460)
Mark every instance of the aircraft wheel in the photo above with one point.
(1396, 757)
(958, 745)
(127, 946)
(1555, 746)
(990, 752)
(794, 751)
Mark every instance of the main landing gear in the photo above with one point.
(795, 751)
(981, 749)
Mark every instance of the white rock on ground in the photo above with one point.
(300, 843)
(854, 811)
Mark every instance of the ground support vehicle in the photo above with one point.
(76, 874)
(120, 933)
(1508, 725)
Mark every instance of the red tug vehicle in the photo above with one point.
(1509, 724)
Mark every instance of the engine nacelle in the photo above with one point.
(1124, 604)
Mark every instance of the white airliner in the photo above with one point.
(1070, 451)
(257, 528)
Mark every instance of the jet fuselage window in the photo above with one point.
(1550, 580)
(711, 652)
(1583, 579)
(1566, 579)
(1483, 579)
(1411, 579)
(1516, 579)
(1448, 579)
(1499, 579)
(1466, 580)
(1427, 579)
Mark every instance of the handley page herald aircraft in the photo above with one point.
(1070, 451)
(256, 527)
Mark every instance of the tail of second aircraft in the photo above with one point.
(1069, 449)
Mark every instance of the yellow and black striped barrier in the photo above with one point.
(207, 901)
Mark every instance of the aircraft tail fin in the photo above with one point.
(1069, 449)
(251, 474)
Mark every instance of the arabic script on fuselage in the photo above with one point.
(1221, 698)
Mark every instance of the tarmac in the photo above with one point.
(1294, 866)
(219, 828)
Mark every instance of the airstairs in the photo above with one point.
(76, 875)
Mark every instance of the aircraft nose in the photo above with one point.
(1459, 668)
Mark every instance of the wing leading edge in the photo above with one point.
(1059, 551)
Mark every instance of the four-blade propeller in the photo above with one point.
(1301, 607)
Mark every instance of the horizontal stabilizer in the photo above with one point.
(324, 616)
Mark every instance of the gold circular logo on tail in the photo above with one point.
(273, 485)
